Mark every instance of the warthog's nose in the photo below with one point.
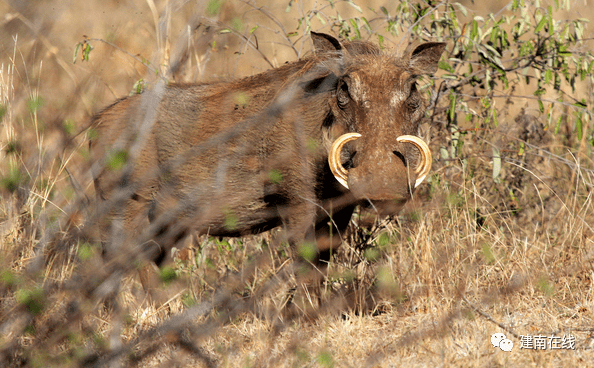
(401, 157)
(385, 179)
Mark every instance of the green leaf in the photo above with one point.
(445, 66)
(237, 25)
(85, 251)
(366, 24)
(307, 251)
(503, 78)
(117, 160)
(462, 8)
(69, 126)
(33, 299)
(86, 50)
(356, 28)
(488, 254)
(213, 7)
(546, 286)
(372, 254)
(557, 83)
(230, 221)
(444, 153)
(319, 16)
(541, 24)
(34, 104)
(138, 87)
(579, 29)
(492, 55)
(380, 41)
(579, 126)
(325, 359)
(167, 274)
(13, 180)
(357, 7)
(558, 126)
(76, 49)
(494, 35)
(580, 104)
(452, 109)
(3, 110)
(275, 176)
(504, 40)
(496, 164)
(548, 76)
(522, 149)
(8, 279)
(492, 51)
(474, 30)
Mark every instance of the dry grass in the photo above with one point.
(469, 257)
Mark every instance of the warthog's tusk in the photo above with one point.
(424, 167)
(340, 173)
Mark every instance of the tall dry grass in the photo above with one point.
(471, 255)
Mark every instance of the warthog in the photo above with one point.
(240, 157)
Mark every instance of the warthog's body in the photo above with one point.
(244, 156)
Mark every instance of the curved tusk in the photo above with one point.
(340, 173)
(425, 166)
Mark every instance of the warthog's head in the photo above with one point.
(377, 108)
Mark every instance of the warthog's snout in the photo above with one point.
(389, 178)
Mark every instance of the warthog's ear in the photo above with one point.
(425, 57)
(325, 43)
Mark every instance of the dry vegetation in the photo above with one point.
(488, 245)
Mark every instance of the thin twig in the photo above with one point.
(489, 318)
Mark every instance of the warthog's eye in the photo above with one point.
(342, 95)
(413, 99)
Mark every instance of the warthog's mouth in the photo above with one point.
(383, 208)
(341, 174)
